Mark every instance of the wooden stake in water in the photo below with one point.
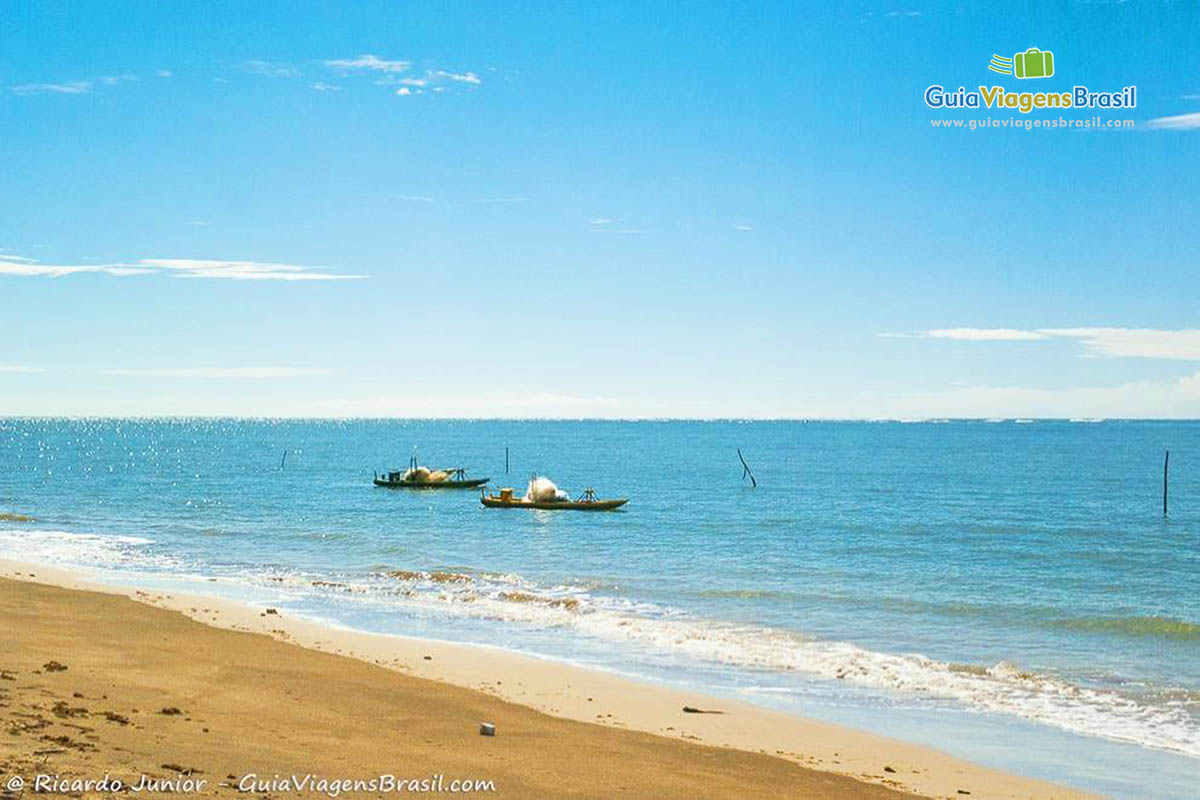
(1166, 465)
(506, 461)
(746, 471)
(283, 460)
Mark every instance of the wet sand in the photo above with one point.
(177, 687)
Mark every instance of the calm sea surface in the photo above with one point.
(1006, 591)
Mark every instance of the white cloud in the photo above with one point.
(1181, 122)
(242, 270)
(271, 69)
(16, 369)
(601, 221)
(368, 61)
(1179, 398)
(1182, 344)
(177, 267)
(460, 77)
(29, 268)
(415, 198)
(165, 73)
(321, 86)
(113, 80)
(743, 227)
(984, 334)
(220, 373)
(71, 87)
(386, 72)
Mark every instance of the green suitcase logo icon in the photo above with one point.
(1033, 63)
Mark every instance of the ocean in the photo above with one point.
(1007, 591)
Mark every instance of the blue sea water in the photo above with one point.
(1006, 591)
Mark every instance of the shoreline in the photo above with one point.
(606, 701)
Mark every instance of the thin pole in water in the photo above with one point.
(746, 470)
(1166, 466)
(283, 460)
(506, 461)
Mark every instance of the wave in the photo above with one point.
(1003, 687)
(62, 547)
(1166, 627)
(651, 631)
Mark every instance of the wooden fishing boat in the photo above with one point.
(411, 479)
(588, 502)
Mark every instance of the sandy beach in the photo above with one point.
(129, 683)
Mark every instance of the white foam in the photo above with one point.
(658, 631)
(82, 550)
(1002, 688)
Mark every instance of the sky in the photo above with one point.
(593, 210)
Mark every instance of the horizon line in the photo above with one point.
(303, 418)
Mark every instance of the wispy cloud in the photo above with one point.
(16, 369)
(220, 373)
(1181, 122)
(984, 334)
(242, 270)
(369, 62)
(500, 200)
(30, 268)
(391, 73)
(70, 87)
(165, 73)
(321, 86)
(1180, 344)
(458, 77)
(176, 267)
(415, 198)
(1173, 398)
(271, 69)
(615, 225)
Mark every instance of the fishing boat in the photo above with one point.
(418, 477)
(587, 502)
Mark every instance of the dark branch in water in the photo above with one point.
(746, 470)
(1166, 464)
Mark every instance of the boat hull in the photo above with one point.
(564, 505)
(473, 483)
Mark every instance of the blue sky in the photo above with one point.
(611, 210)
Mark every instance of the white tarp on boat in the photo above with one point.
(543, 490)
